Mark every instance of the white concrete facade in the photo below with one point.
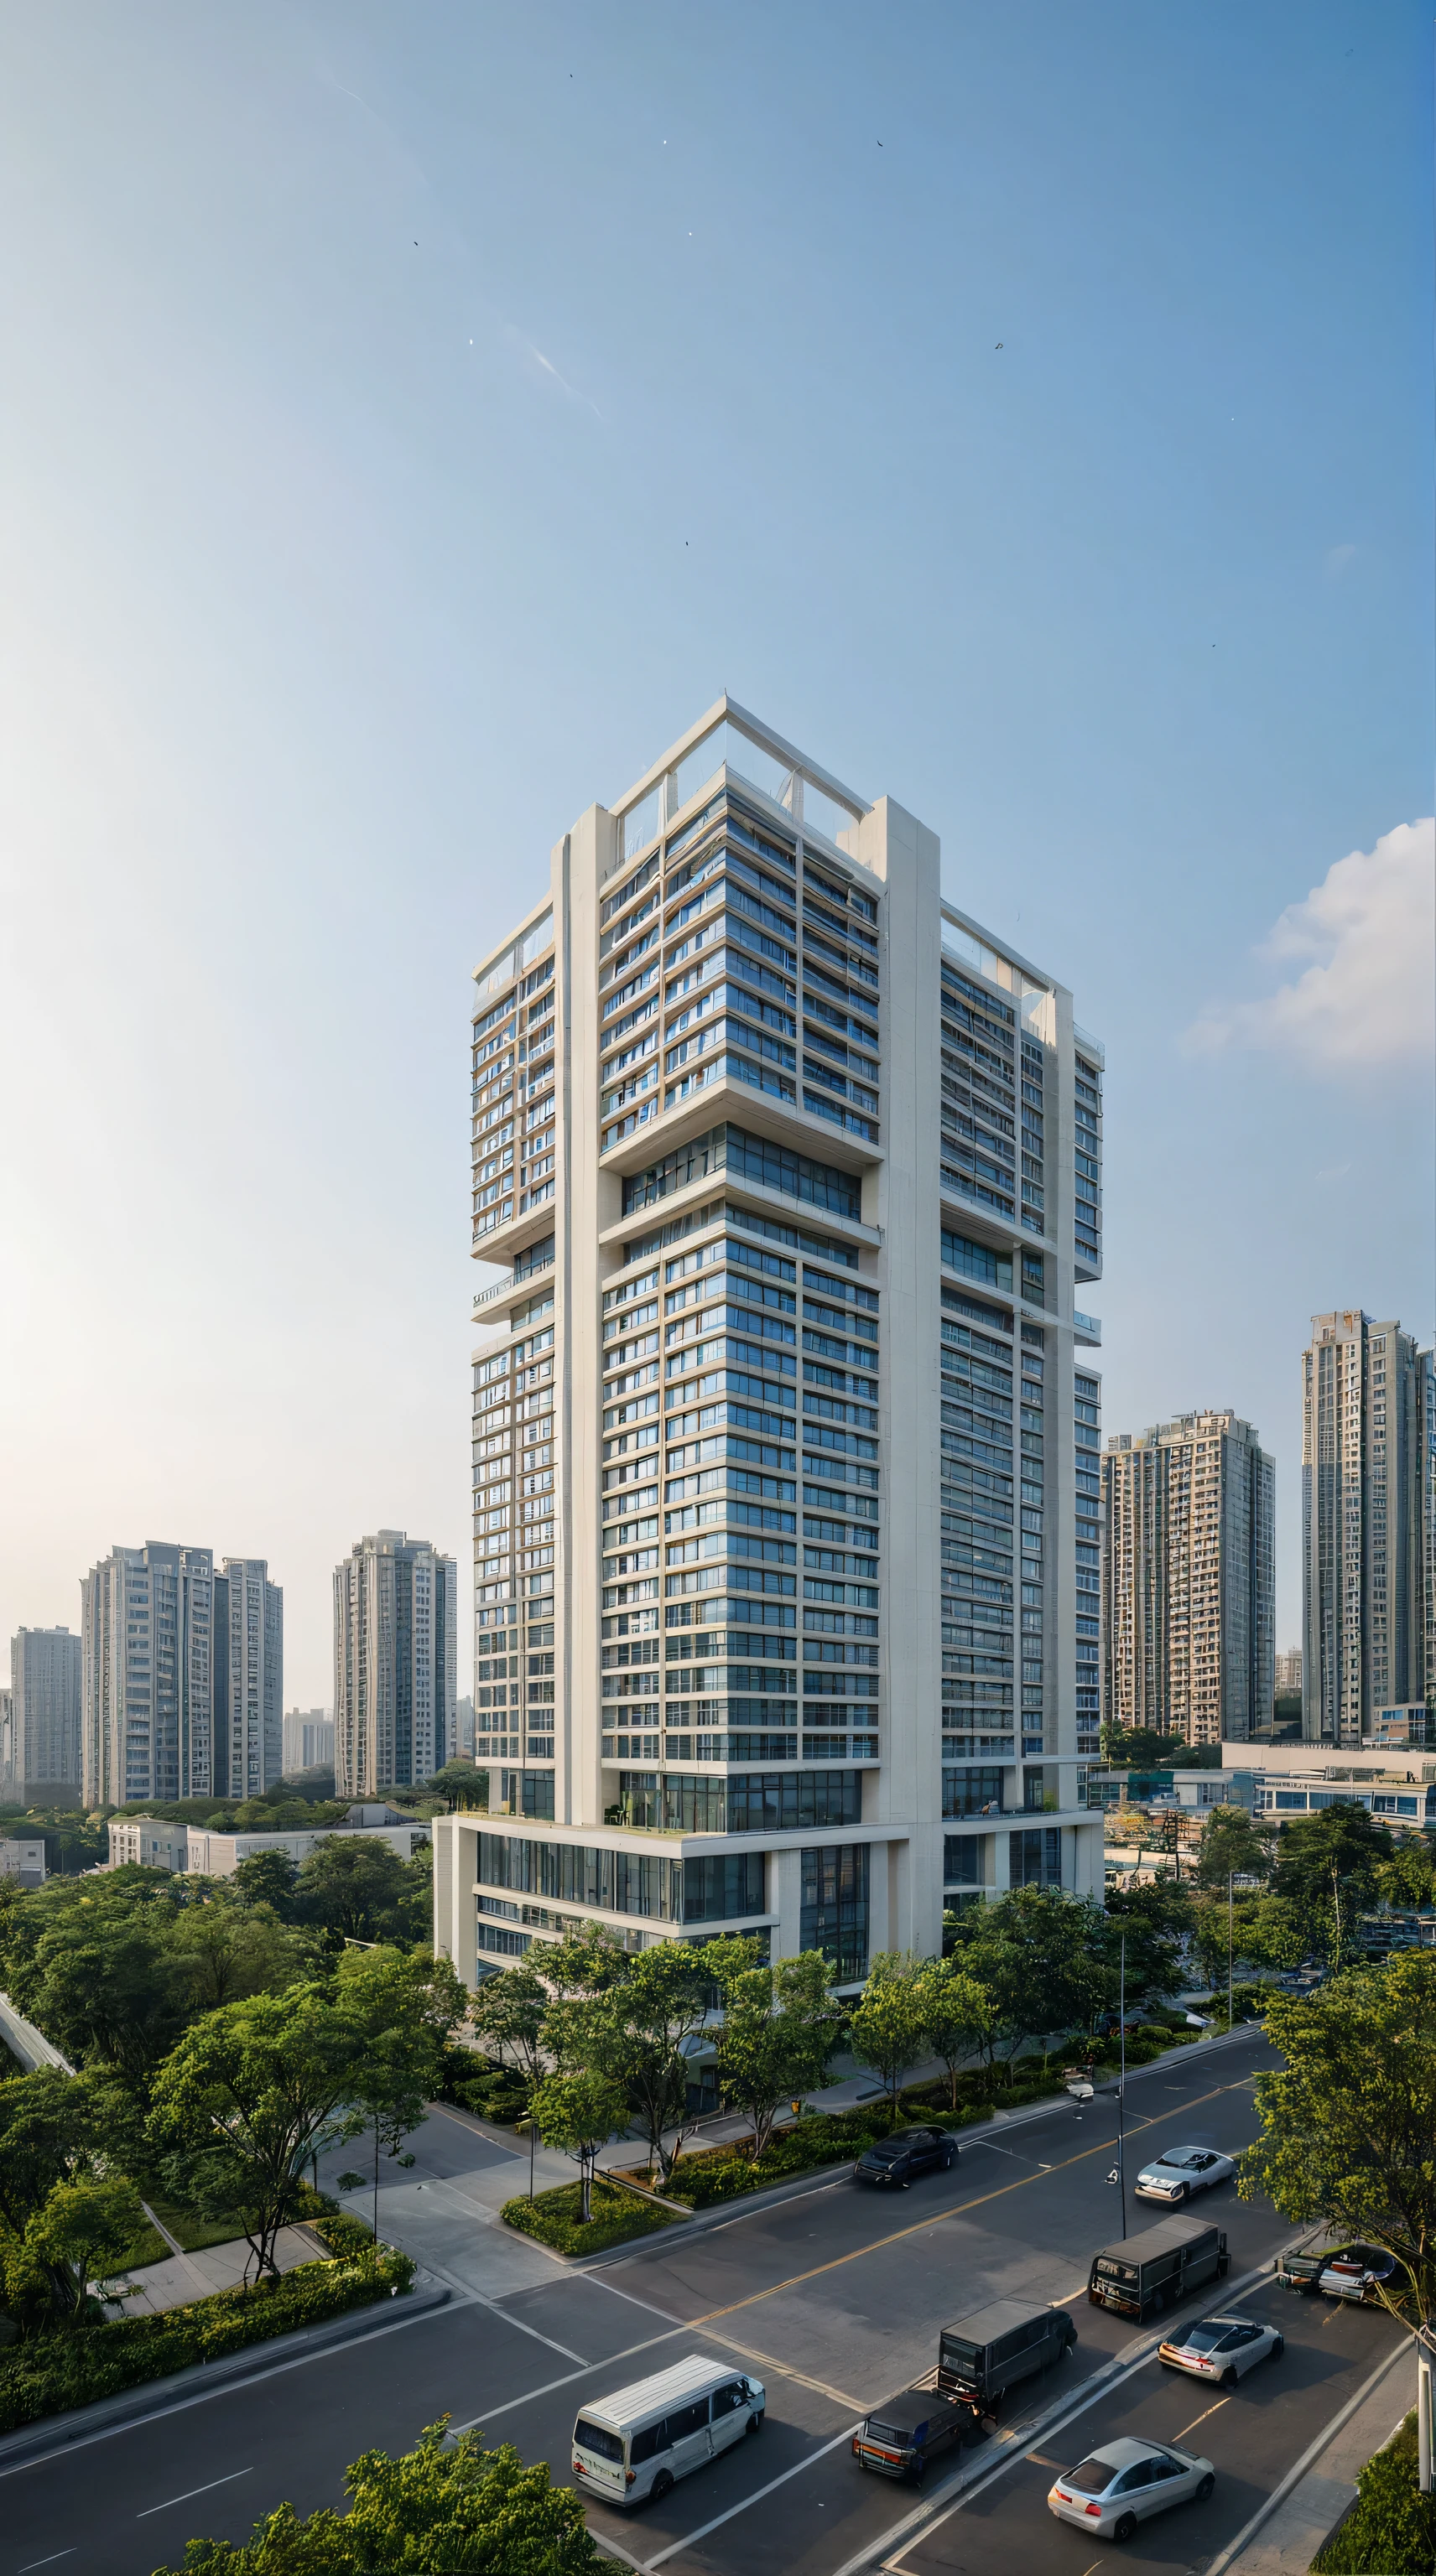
(1368, 1525)
(1189, 1579)
(42, 1752)
(218, 1855)
(147, 1674)
(783, 1154)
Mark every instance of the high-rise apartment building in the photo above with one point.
(147, 1675)
(1188, 1592)
(1288, 1673)
(44, 1721)
(395, 1658)
(248, 1679)
(308, 1740)
(1368, 1524)
(785, 1486)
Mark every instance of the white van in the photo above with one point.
(636, 2443)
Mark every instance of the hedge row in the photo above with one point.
(1392, 2525)
(50, 2376)
(552, 2217)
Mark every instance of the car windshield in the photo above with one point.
(1092, 2477)
(910, 2137)
(886, 2147)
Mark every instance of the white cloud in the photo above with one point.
(1366, 999)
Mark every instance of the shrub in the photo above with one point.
(50, 2375)
(1391, 2525)
(553, 2218)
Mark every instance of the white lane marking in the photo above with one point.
(924, 2519)
(193, 2491)
(228, 2388)
(492, 2413)
(756, 2498)
(599, 2283)
(47, 2562)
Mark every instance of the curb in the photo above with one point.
(54, 2432)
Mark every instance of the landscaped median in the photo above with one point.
(53, 2373)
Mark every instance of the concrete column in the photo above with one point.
(785, 1899)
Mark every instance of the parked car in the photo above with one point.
(1340, 2271)
(895, 2160)
(1356, 2272)
(1127, 2482)
(1222, 2348)
(639, 2441)
(1179, 2171)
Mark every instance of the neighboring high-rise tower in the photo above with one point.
(1368, 1463)
(44, 1730)
(786, 1494)
(248, 1679)
(1189, 1577)
(395, 1652)
(147, 1684)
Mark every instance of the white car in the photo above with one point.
(1222, 2348)
(1179, 2171)
(1125, 2483)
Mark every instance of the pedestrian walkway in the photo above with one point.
(1289, 2539)
(153, 2287)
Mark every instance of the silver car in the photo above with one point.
(1222, 2348)
(1125, 2483)
(1179, 2171)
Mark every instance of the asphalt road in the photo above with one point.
(834, 2298)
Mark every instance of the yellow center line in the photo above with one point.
(925, 2226)
(1201, 2419)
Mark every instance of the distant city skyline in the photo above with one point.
(350, 550)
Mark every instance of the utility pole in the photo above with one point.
(1425, 2346)
(1120, 2175)
(1229, 1949)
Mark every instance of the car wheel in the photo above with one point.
(1178, 2197)
(1277, 2349)
(755, 2422)
(1205, 2489)
(907, 2182)
(662, 2486)
(1228, 2379)
(1123, 2529)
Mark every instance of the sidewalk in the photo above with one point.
(182, 2277)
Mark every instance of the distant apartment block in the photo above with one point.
(785, 1420)
(1368, 1525)
(41, 1749)
(1288, 1672)
(1189, 1579)
(182, 1675)
(207, 1853)
(308, 1740)
(395, 1662)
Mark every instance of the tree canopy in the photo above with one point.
(1348, 2121)
(1328, 1870)
(442, 2509)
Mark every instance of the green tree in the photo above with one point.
(507, 2014)
(1156, 1920)
(1408, 1878)
(1327, 1869)
(780, 2027)
(1349, 2118)
(224, 1949)
(249, 2095)
(886, 2030)
(53, 2128)
(1043, 1959)
(353, 1884)
(86, 2226)
(637, 2032)
(91, 1961)
(578, 2114)
(267, 1878)
(439, 2510)
(956, 2015)
(459, 1785)
(1231, 1845)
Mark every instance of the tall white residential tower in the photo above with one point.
(1368, 1506)
(44, 1743)
(785, 1428)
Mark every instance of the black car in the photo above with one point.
(905, 2153)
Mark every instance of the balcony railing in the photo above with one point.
(1089, 1326)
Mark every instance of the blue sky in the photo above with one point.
(411, 420)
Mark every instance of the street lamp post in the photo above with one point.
(1229, 1949)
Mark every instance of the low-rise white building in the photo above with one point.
(204, 1853)
(24, 1859)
